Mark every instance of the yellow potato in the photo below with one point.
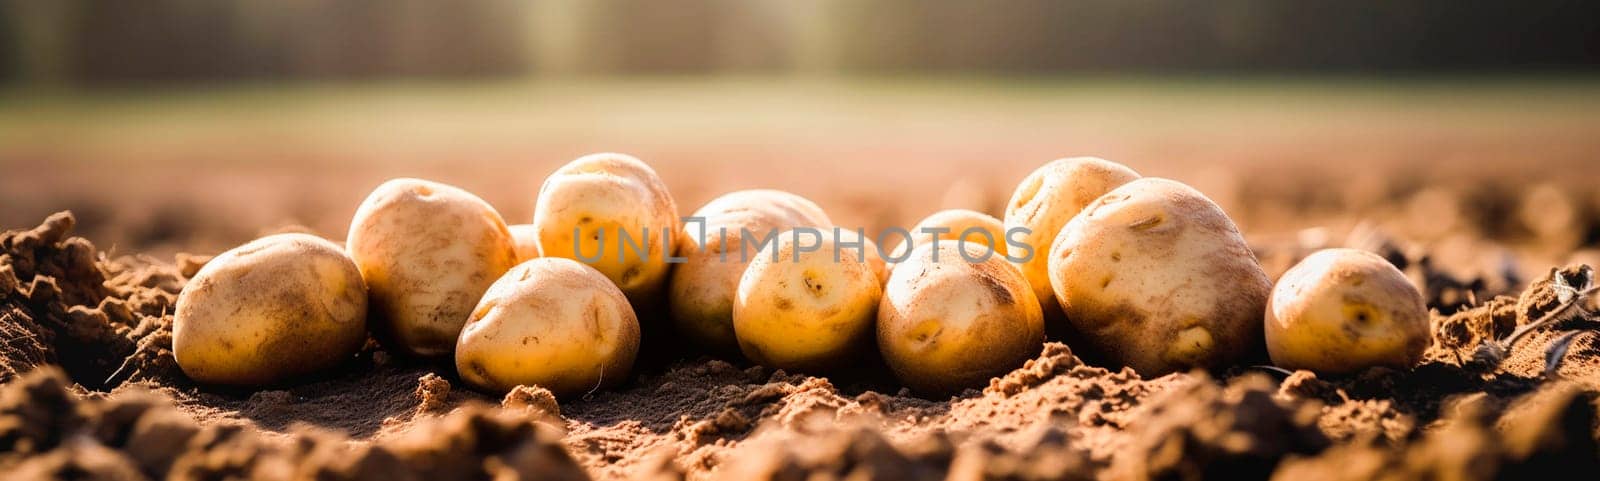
(949, 324)
(1344, 310)
(525, 240)
(702, 287)
(278, 307)
(1044, 202)
(1154, 275)
(427, 251)
(626, 223)
(550, 322)
(975, 227)
(804, 311)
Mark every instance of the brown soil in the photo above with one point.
(90, 391)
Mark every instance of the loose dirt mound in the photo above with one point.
(91, 391)
(50, 433)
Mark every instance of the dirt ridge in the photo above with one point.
(88, 390)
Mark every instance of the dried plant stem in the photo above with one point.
(1560, 313)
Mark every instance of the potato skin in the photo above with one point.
(427, 251)
(700, 294)
(805, 313)
(268, 311)
(552, 322)
(957, 221)
(1156, 277)
(951, 324)
(525, 241)
(604, 195)
(1045, 201)
(1343, 310)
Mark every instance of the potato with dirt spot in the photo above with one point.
(1344, 310)
(549, 322)
(716, 252)
(800, 309)
(1153, 275)
(621, 218)
(427, 251)
(1044, 202)
(276, 308)
(949, 323)
(525, 241)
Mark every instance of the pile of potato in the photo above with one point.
(1140, 272)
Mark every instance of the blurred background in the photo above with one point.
(195, 125)
(101, 42)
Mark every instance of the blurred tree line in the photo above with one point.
(139, 41)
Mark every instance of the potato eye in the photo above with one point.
(812, 282)
(926, 331)
(1147, 223)
(1362, 314)
(1027, 191)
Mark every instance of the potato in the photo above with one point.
(958, 224)
(949, 324)
(525, 241)
(427, 251)
(603, 198)
(1044, 202)
(1344, 310)
(551, 322)
(1153, 275)
(702, 287)
(804, 311)
(278, 307)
